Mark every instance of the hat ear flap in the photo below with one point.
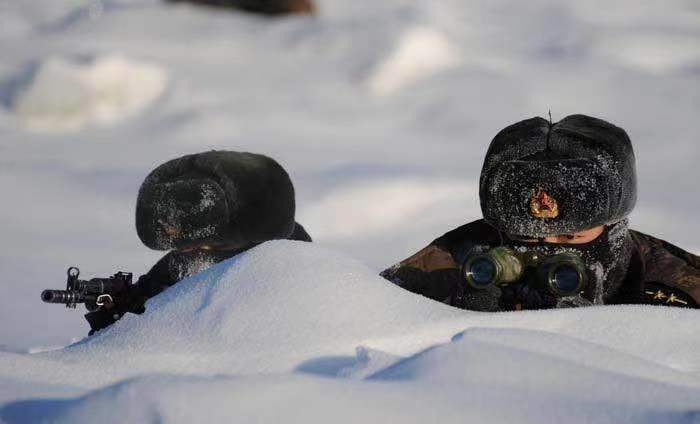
(178, 213)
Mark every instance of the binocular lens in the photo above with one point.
(482, 272)
(563, 274)
(566, 279)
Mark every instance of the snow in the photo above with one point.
(291, 324)
(656, 53)
(381, 112)
(421, 52)
(335, 215)
(64, 95)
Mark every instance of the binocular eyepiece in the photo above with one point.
(563, 274)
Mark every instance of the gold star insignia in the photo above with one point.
(672, 298)
(659, 295)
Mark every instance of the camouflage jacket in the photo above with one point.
(659, 272)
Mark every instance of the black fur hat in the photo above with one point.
(542, 179)
(219, 198)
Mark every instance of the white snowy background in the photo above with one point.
(381, 111)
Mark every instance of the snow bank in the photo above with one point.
(266, 329)
(271, 309)
(69, 95)
(296, 398)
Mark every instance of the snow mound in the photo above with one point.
(298, 398)
(420, 53)
(69, 95)
(274, 308)
(268, 327)
(531, 360)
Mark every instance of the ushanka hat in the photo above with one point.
(541, 179)
(233, 199)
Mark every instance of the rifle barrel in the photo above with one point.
(62, 296)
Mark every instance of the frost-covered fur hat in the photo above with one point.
(542, 179)
(218, 197)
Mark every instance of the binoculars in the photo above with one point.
(563, 274)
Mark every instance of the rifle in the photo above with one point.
(106, 299)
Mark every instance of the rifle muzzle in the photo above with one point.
(61, 296)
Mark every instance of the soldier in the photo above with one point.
(555, 200)
(205, 208)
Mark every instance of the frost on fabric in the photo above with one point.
(198, 263)
(207, 200)
(603, 278)
(168, 217)
(185, 219)
(586, 191)
(586, 166)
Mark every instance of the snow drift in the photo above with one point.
(69, 95)
(267, 328)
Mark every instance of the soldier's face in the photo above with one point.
(580, 237)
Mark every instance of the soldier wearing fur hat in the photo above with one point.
(205, 208)
(555, 200)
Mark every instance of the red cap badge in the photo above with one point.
(542, 205)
